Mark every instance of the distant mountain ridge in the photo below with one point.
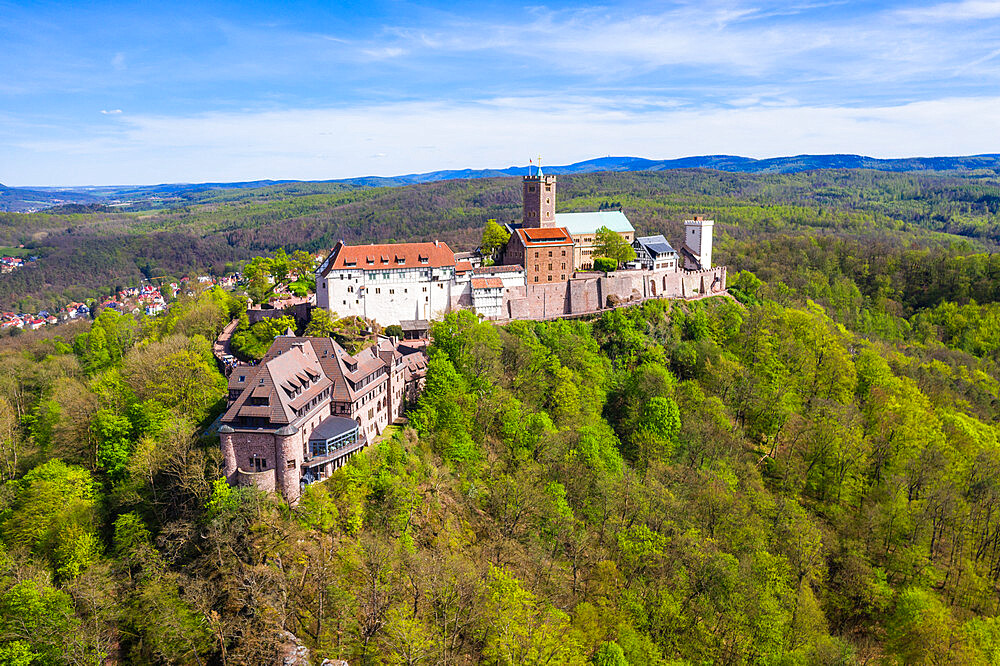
(733, 163)
(18, 199)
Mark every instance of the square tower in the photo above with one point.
(698, 240)
(539, 197)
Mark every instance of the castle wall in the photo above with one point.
(594, 292)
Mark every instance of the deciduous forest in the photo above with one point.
(807, 472)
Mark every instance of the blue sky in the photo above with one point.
(115, 93)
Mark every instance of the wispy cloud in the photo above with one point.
(402, 138)
(954, 11)
(110, 112)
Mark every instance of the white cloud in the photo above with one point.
(118, 62)
(111, 112)
(414, 137)
(954, 11)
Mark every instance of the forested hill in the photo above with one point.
(145, 196)
(781, 481)
(86, 253)
(809, 474)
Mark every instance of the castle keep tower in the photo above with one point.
(539, 196)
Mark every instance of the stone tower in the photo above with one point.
(539, 197)
(698, 239)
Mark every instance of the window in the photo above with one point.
(536, 267)
(550, 278)
(243, 378)
(564, 253)
(261, 381)
(536, 278)
(425, 289)
(378, 290)
(563, 276)
(564, 265)
(290, 464)
(548, 188)
(392, 291)
(550, 267)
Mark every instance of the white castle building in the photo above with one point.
(388, 283)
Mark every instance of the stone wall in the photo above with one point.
(263, 480)
(591, 292)
(300, 312)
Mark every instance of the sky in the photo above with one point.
(102, 93)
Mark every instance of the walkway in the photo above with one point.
(221, 349)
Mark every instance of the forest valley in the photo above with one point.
(806, 473)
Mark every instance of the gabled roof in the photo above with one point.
(534, 237)
(383, 257)
(487, 283)
(276, 381)
(655, 244)
(588, 223)
(339, 366)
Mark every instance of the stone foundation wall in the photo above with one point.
(594, 291)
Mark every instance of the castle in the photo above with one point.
(546, 269)
(309, 404)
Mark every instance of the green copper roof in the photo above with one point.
(588, 223)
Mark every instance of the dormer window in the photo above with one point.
(350, 263)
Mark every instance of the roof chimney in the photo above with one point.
(436, 243)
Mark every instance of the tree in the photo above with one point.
(9, 444)
(610, 244)
(321, 324)
(494, 237)
(114, 442)
(605, 264)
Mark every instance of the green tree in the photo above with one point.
(610, 244)
(321, 323)
(494, 237)
(39, 620)
(605, 264)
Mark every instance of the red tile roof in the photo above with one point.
(549, 236)
(487, 283)
(490, 270)
(463, 267)
(396, 255)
